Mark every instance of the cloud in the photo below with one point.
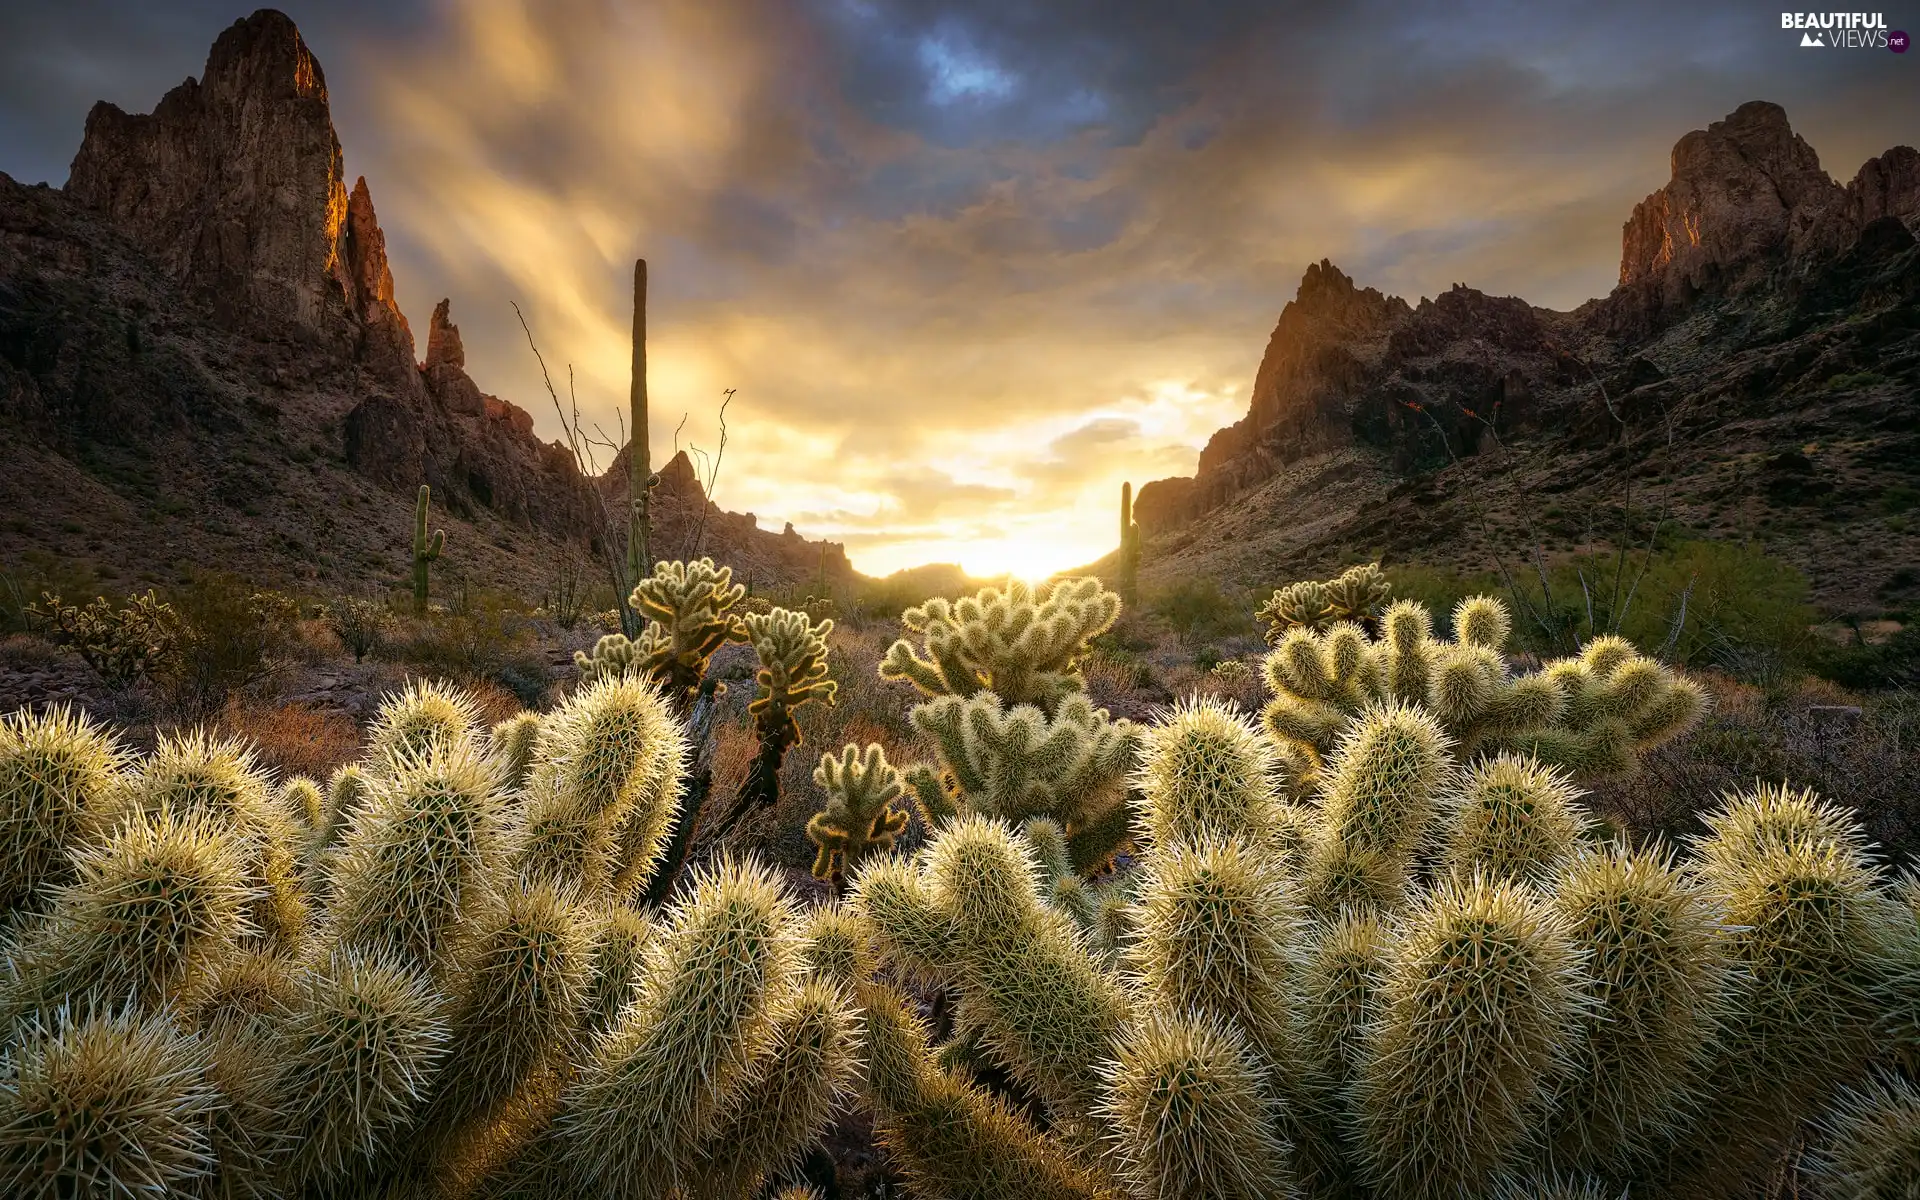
(971, 266)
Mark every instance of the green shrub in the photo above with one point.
(234, 638)
(1199, 611)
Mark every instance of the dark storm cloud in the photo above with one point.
(1031, 249)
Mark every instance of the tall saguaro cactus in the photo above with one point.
(425, 549)
(640, 457)
(1129, 547)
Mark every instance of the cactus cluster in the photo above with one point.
(1414, 973)
(1591, 715)
(1015, 734)
(467, 1006)
(1426, 981)
(688, 607)
(1358, 596)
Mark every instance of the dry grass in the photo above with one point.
(293, 739)
(1859, 752)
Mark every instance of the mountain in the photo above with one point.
(202, 365)
(1755, 374)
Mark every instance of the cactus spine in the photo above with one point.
(426, 550)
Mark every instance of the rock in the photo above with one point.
(386, 341)
(233, 182)
(1887, 186)
(1743, 190)
(443, 339)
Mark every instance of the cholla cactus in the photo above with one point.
(1479, 1003)
(425, 715)
(1022, 644)
(793, 672)
(302, 799)
(688, 605)
(1512, 819)
(57, 791)
(512, 744)
(1871, 1144)
(115, 1105)
(1591, 715)
(153, 907)
(1206, 774)
(419, 861)
(664, 1080)
(1357, 595)
(859, 816)
(1018, 762)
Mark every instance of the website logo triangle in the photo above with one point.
(1812, 39)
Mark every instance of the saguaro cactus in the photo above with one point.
(1129, 547)
(425, 549)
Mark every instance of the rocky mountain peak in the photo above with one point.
(1744, 191)
(443, 339)
(234, 183)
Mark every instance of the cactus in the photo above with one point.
(1480, 1000)
(1207, 774)
(1899, 990)
(1871, 1142)
(1811, 935)
(347, 791)
(859, 816)
(302, 798)
(1194, 1117)
(619, 959)
(1659, 983)
(1592, 715)
(1357, 595)
(194, 771)
(1217, 927)
(1340, 972)
(688, 605)
(1512, 819)
(152, 908)
(664, 1079)
(57, 791)
(1129, 548)
(1022, 644)
(1018, 762)
(810, 1068)
(361, 1048)
(426, 550)
(425, 715)
(793, 672)
(114, 1105)
(524, 980)
(418, 861)
(512, 744)
(949, 1137)
(975, 913)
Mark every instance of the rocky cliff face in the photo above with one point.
(1762, 307)
(1748, 210)
(203, 320)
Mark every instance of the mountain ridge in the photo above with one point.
(1747, 282)
(202, 362)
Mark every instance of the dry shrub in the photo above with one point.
(293, 739)
(1123, 685)
(314, 641)
(27, 652)
(734, 746)
(496, 703)
(1860, 752)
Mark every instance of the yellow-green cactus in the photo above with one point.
(1871, 1144)
(115, 1105)
(1014, 763)
(1022, 644)
(425, 714)
(859, 817)
(1357, 595)
(688, 608)
(57, 792)
(1592, 715)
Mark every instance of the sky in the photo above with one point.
(968, 266)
